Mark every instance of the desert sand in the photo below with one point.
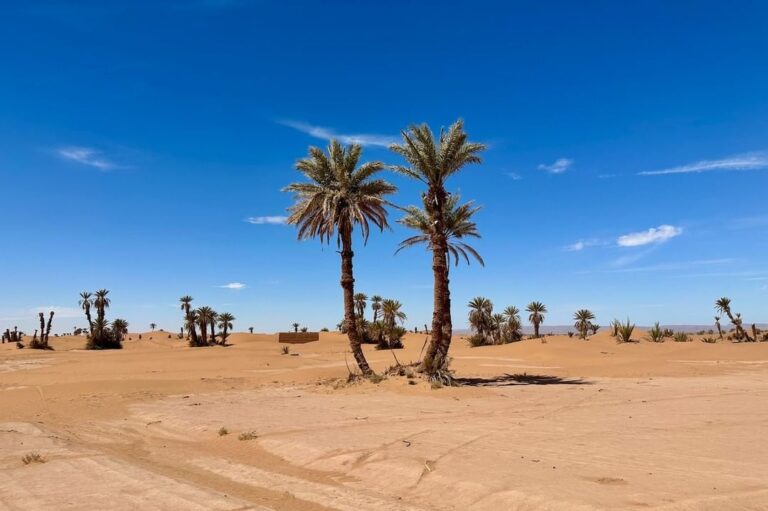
(561, 425)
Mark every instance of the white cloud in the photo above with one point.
(658, 234)
(261, 220)
(234, 285)
(514, 176)
(558, 167)
(749, 161)
(328, 133)
(85, 156)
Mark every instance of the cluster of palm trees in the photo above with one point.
(102, 334)
(339, 196)
(207, 319)
(385, 329)
(493, 328)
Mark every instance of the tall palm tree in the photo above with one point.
(480, 311)
(536, 316)
(432, 162)
(583, 319)
(457, 226)
(360, 303)
(101, 302)
(151, 325)
(225, 323)
(204, 318)
(85, 303)
(376, 306)
(338, 196)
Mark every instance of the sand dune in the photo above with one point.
(590, 425)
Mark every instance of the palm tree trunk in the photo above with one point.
(348, 286)
(536, 329)
(435, 356)
(447, 320)
(90, 320)
(213, 332)
(204, 331)
(192, 333)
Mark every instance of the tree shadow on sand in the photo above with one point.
(520, 379)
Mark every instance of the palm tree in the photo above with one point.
(151, 325)
(391, 313)
(536, 317)
(719, 328)
(295, 327)
(101, 302)
(375, 306)
(360, 302)
(250, 329)
(212, 323)
(205, 315)
(513, 323)
(432, 162)
(225, 323)
(85, 303)
(723, 305)
(186, 306)
(119, 328)
(190, 322)
(457, 225)
(338, 196)
(497, 326)
(186, 303)
(480, 311)
(583, 319)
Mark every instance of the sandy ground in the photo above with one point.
(561, 425)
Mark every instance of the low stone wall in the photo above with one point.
(297, 337)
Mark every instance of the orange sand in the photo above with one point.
(672, 426)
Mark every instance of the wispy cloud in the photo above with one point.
(236, 286)
(261, 220)
(748, 161)
(59, 311)
(680, 265)
(514, 176)
(328, 133)
(558, 167)
(750, 222)
(86, 156)
(582, 244)
(658, 234)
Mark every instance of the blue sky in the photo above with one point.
(626, 171)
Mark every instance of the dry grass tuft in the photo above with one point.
(247, 435)
(32, 457)
(223, 431)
